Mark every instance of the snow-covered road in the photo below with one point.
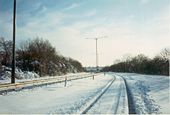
(113, 101)
(106, 94)
(59, 99)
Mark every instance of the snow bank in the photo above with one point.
(5, 75)
(151, 93)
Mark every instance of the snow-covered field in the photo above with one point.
(107, 93)
(151, 93)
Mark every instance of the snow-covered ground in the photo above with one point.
(53, 98)
(113, 101)
(151, 93)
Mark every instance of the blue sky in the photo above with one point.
(131, 26)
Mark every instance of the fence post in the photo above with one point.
(93, 77)
(65, 81)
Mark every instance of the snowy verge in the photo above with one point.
(150, 93)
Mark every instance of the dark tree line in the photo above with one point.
(38, 55)
(159, 65)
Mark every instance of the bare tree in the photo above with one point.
(165, 54)
(5, 51)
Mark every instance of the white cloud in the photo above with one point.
(72, 6)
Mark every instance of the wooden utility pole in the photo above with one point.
(13, 49)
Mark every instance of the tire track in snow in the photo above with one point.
(120, 106)
(131, 105)
(115, 104)
(91, 102)
(112, 99)
(122, 102)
